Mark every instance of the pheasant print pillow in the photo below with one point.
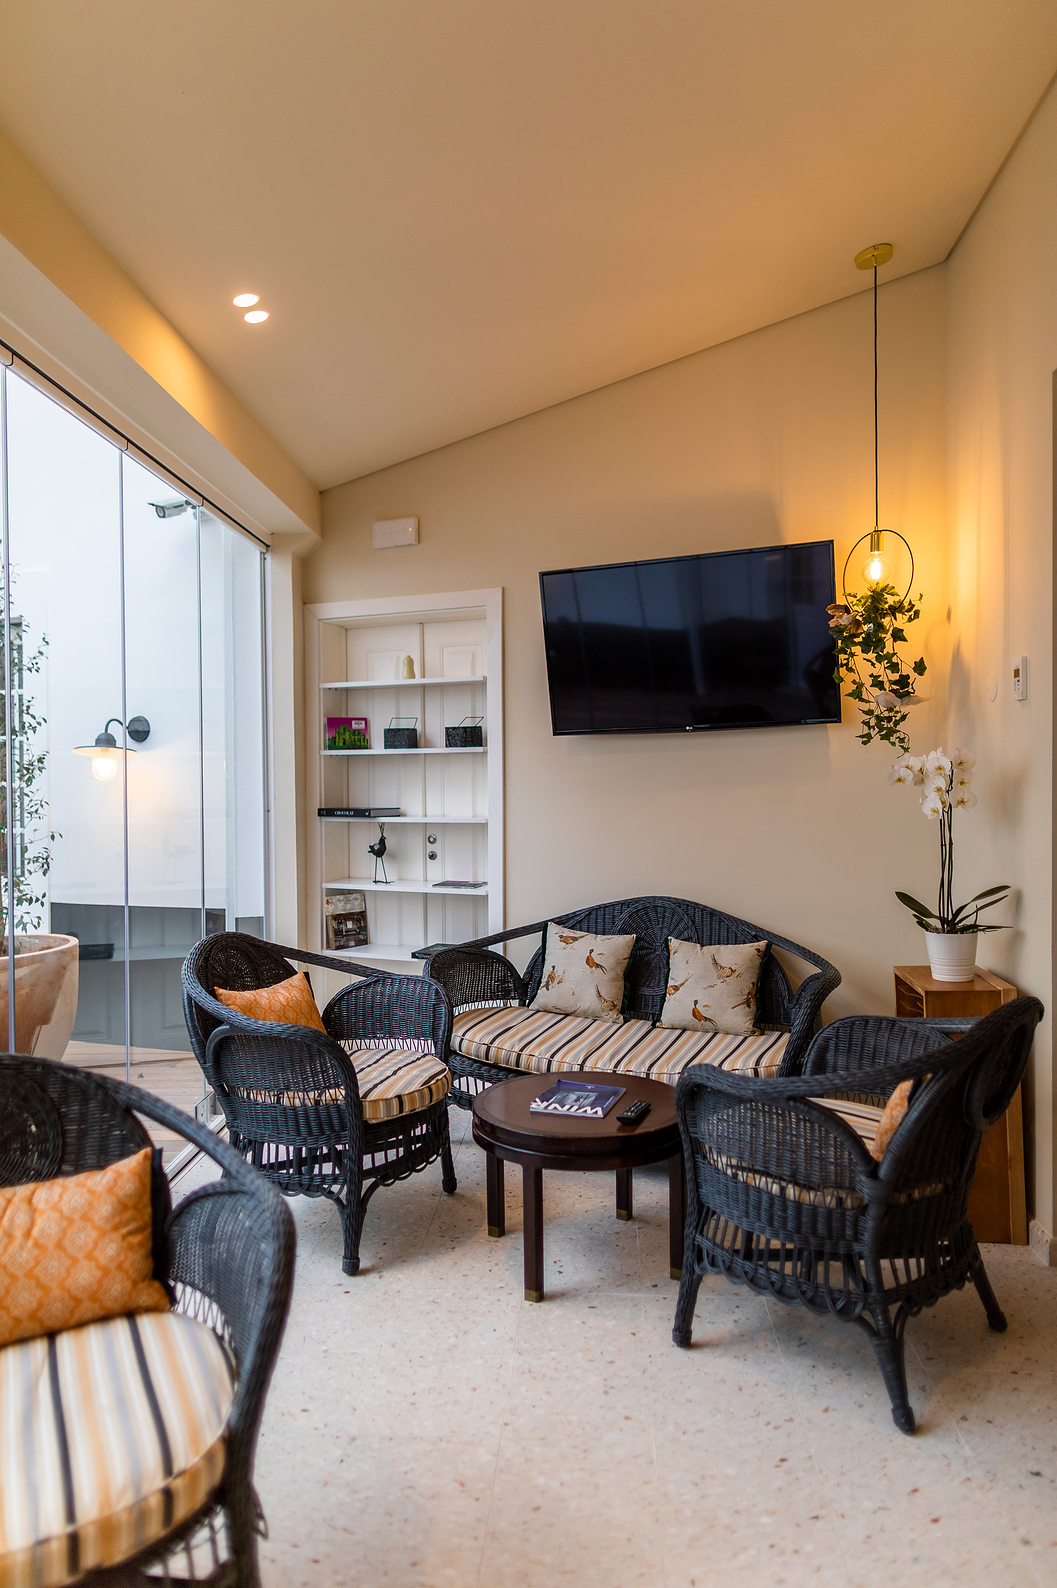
(712, 988)
(583, 974)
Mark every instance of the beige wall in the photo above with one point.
(1002, 285)
(767, 438)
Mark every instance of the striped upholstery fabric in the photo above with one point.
(110, 1435)
(530, 1039)
(392, 1081)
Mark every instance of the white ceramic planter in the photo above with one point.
(952, 955)
(45, 994)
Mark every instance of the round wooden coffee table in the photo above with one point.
(509, 1133)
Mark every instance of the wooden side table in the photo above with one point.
(997, 1201)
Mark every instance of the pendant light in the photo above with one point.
(876, 570)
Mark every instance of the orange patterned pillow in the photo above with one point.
(288, 1003)
(894, 1114)
(76, 1249)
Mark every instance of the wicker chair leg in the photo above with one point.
(353, 1210)
(887, 1336)
(689, 1285)
(996, 1318)
(448, 1182)
(243, 1530)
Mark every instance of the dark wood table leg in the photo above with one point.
(532, 1191)
(495, 1192)
(625, 1207)
(676, 1213)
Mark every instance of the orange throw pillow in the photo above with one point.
(288, 1003)
(894, 1114)
(76, 1249)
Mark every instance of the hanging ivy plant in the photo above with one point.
(868, 630)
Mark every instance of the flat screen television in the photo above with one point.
(730, 639)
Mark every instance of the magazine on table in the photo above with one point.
(346, 918)
(582, 1098)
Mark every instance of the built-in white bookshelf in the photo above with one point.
(450, 826)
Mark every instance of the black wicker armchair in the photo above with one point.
(472, 974)
(227, 1254)
(333, 1114)
(784, 1195)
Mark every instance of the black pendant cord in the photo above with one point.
(876, 494)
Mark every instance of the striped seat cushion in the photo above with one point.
(110, 1435)
(533, 1040)
(392, 1081)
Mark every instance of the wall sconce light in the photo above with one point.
(106, 753)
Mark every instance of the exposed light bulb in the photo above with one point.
(877, 569)
(104, 765)
(255, 316)
(246, 300)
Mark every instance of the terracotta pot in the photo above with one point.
(952, 955)
(45, 994)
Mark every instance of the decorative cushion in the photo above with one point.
(583, 974)
(892, 1117)
(535, 1040)
(288, 1003)
(392, 1081)
(77, 1248)
(712, 988)
(110, 1435)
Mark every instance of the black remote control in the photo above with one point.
(634, 1112)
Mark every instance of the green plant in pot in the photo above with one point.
(950, 931)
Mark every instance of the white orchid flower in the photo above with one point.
(936, 761)
(934, 804)
(962, 761)
(899, 772)
(916, 764)
(961, 779)
(963, 799)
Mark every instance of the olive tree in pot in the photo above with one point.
(951, 932)
(45, 963)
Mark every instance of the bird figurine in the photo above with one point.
(378, 849)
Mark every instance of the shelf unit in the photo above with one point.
(451, 801)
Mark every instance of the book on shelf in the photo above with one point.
(367, 812)
(347, 733)
(450, 882)
(585, 1100)
(345, 915)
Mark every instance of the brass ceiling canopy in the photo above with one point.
(871, 258)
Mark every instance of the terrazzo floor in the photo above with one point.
(427, 1426)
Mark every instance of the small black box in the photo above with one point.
(468, 735)
(401, 734)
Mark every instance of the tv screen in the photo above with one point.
(731, 639)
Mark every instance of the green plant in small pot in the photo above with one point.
(951, 932)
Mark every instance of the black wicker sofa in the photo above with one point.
(495, 1034)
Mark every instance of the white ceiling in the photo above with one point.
(460, 211)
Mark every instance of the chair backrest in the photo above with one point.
(231, 960)
(392, 1011)
(654, 920)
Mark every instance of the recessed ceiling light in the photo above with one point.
(255, 316)
(246, 300)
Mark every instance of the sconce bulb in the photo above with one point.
(104, 766)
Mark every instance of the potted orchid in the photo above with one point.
(945, 782)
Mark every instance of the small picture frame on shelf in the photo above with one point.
(466, 735)
(348, 733)
(345, 915)
(401, 734)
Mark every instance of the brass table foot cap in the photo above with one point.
(676, 1273)
(494, 1230)
(533, 1295)
(622, 1213)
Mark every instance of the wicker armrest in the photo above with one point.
(383, 1010)
(476, 976)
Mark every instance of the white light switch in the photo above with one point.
(387, 532)
(1020, 678)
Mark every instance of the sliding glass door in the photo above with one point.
(132, 776)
